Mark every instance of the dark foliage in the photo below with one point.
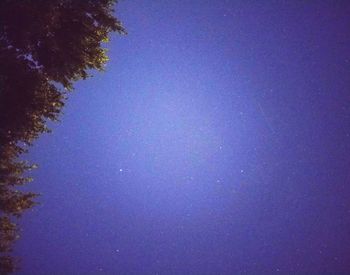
(44, 45)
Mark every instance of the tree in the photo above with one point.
(45, 46)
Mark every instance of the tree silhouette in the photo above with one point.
(45, 46)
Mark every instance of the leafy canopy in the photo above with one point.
(45, 46)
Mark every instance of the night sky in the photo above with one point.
(216, 142)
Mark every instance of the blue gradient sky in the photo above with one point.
(217, 141)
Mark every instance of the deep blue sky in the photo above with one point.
(217, 141)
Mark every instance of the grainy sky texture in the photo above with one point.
(216, 142)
